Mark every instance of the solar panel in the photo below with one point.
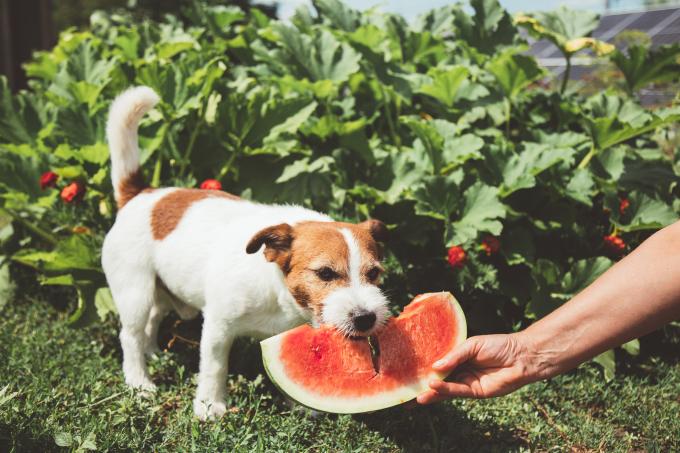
(649, 20)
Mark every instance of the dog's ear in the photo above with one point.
(376, 228)
(276, 239)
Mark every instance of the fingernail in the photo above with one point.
(438, 363)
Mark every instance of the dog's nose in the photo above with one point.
(364, 321)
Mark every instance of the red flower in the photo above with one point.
(614, 244)
(73, 192)
(211, 184)
(456, 257)
(48, 179)
(491, 245)
(623, 205)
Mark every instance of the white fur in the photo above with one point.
(340, 306)
(203, 262)
(121, 131)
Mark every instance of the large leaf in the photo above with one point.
(491, 26)
(643, 213)
(568, 29)
(481, 212)
(19, 122)
(338, 14)
(520, 170)
(514, 72)
(317, 57)
(446, 84)
(612, 121)
(641, 65)
(438, 197)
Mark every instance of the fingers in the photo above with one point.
(452, 389)
(460, 355)
(440, 390)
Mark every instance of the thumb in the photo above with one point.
(458, 356)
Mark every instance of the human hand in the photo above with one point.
(483, 367)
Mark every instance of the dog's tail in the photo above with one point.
(121, 132)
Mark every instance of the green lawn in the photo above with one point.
(64, 385)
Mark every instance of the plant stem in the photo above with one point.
(587, 158)
(45, 235)
(230, 162)
(388, 115)
(190, 147)
(156, 178)
(508, 108)
(567, 72)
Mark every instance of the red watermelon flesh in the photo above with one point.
(324, 370)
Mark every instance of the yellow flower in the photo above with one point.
(600, 47)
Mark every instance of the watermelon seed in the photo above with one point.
(375, 353)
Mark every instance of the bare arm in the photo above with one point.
(635, 296)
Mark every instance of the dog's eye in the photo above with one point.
(373, 274)
(327, 274)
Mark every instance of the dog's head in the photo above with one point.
(332, 269)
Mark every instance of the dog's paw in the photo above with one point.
(152, 351)
(144, 385)
(209, 410)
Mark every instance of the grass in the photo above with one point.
(63, 386)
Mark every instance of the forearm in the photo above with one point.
(636, 296)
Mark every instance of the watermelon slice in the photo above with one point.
(323, 370)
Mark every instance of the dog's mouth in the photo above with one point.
(374, 347)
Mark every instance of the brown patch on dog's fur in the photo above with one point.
(170, 209)
(310, 246)
(130, 187)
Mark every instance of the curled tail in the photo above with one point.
(121, 132)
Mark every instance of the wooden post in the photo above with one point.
(25, 26)
(5, 42)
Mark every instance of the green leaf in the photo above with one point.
(644, 213)
(514, 72)
(7, 287)
(566, 28)
(338, 14)
(430, 138)
(446, 84)
(520, 170)
(301, 166)
(632, 347)
(318, 57)
(490, 28)
(481, 212)
(292, 123)
(613, 121)
(19, 122)
(63, 439)
(607, 360)
(103, 302)
(5, 396)
(583, 273)
(581, 187)
(458, 150)
(437, 196)
(73, 253)
(407, 168)
(96, 154)
(641, 65)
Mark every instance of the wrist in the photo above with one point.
(538, 362)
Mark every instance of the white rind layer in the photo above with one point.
(352, 405)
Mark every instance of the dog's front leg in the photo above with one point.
(216, 341)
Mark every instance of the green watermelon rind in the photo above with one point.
(352, 405)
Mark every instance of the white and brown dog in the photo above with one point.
(252, 269)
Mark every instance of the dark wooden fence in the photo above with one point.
(25, 26)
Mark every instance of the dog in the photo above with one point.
(251, 269)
